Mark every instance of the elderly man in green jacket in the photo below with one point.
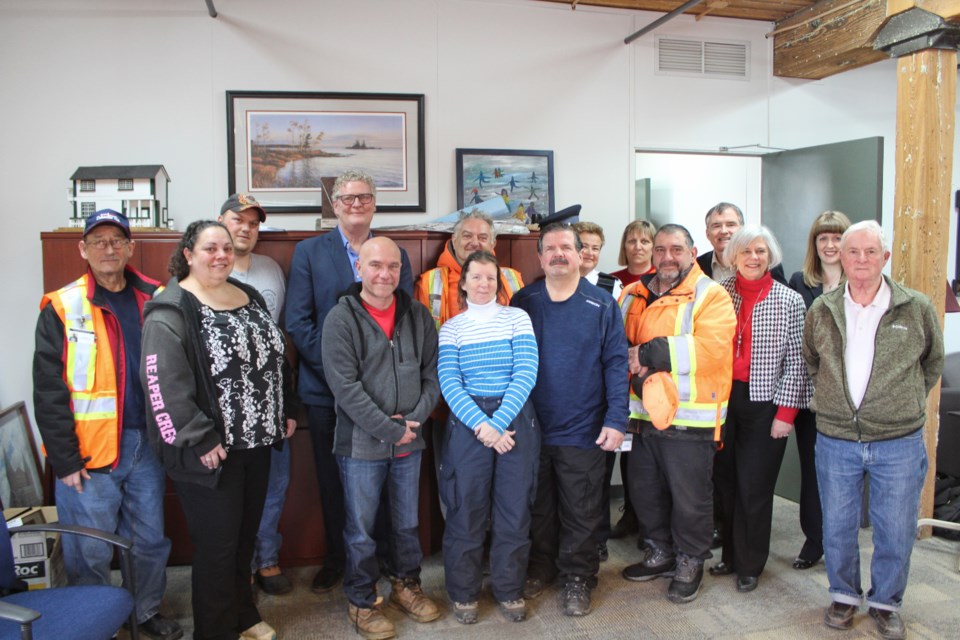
(874, 350)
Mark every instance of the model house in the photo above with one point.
(140, 192)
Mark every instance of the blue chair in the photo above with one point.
(88, 612)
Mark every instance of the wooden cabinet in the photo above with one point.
(302, 521)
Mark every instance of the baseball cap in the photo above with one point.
(107, 216)
(241, 202)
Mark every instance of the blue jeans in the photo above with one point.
(129, 502)
(363, 482)
(267, 551)
(896, 470)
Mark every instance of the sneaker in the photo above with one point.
(626, 526)
(686, 580)
(602, 552)
(889, 624)
(326, 579)
(514, 610)
(160, 628)
(656, 564)
(259, 631)
(839, 615)
(575, 598)
(466, 612)
(407, 596)
(272, 581)
(371, 623)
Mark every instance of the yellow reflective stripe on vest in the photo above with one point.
(436, 279)
(80, 335)
(87, 406)
(511, 280)
(625, 305)
(689, 414)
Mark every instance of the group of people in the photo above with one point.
(706, 363)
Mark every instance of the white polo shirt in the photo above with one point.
(862, 323)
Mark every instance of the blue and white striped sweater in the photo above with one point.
(487, 351)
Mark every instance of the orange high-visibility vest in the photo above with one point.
(89, 372)
(698, 321)
(437, 288)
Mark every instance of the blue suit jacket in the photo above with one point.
(319, 273)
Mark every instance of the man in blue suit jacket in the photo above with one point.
(322, 268)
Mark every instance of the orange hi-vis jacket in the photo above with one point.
(697, 319)
(437, 288)
(92, 350)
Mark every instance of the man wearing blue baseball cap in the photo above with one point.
(90, 410)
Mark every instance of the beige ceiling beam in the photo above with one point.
(946, 9)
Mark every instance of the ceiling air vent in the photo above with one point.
(711, 58)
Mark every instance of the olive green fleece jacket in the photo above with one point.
(907, 363)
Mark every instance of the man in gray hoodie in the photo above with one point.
(380, 350)
(874, 350)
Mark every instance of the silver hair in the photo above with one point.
(353, 175)
(475, 214)
(747, 234)
(866, 225)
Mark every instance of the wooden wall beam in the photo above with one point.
(926, 99)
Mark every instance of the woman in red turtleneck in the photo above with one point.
(770, 385)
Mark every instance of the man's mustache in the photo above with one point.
(559, 260)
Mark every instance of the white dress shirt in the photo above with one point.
(862, 323)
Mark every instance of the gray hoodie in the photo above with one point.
(374, 377)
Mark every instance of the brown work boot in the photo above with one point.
(408, 597)
(371, 623)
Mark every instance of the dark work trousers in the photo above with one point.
(811, 516)
(480, 486)
(671, 487)
(605, 525)
(323, 423)
(438, 437)
(746, 474)
(566, 514)
(223, 523)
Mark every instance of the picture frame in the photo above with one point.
(21, 483)
(524, 177)
(281, 143)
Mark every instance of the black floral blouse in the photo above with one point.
(245, 350)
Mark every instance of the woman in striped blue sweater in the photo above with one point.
(487, 368)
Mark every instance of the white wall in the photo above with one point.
(496, 73)
(683, 187)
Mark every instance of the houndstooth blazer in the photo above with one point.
(777, 370)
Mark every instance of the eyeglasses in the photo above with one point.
(348, 199)
(101, 244)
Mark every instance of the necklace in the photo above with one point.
(743, 325)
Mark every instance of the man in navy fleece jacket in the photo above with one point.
(581, 398)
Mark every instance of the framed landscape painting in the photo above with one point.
(522, 178)
(280, 145)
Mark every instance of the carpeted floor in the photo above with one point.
(788, 603)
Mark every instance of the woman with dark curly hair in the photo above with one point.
(215, 374)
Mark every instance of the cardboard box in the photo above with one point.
(37, 556)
